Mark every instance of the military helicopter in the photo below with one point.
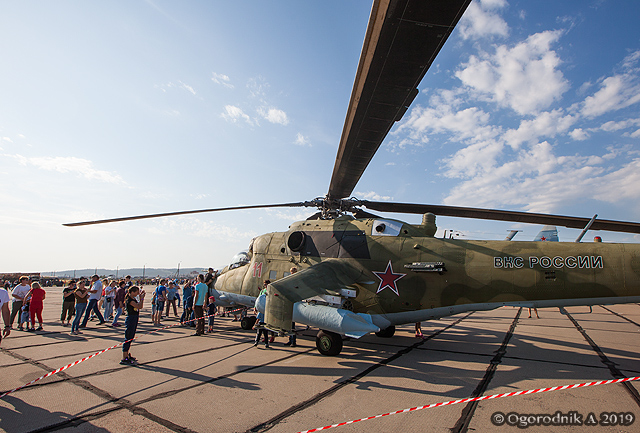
(361, 273)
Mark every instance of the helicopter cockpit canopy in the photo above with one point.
(240, 259)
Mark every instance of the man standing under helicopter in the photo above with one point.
(200, 295)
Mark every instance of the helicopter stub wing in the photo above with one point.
(403, 38)
(328, 276)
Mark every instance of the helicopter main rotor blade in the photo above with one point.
(503, 215)
(157, 215)
(402, 40)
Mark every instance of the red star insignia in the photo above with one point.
(543, 238)
(388, 279)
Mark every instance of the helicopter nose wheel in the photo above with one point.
(386, 332)
(328, 343)
(247, 322)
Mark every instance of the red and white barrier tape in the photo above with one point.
(486, 397)
(51, 373)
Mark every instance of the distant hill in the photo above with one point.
(134, 272)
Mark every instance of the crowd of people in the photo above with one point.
(107, 301)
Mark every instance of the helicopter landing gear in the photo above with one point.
(328, 343)
(386, 332)
(247, 322)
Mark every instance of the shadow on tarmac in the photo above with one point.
(22, 415)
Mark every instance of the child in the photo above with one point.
(188, 311)
(133, 307)
(24, 316)
(211, 311)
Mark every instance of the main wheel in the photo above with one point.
(386, 332)
(328, 343)
(248, 322)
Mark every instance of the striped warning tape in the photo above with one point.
(486, 397)
(51, 373)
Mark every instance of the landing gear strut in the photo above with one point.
(328, 343)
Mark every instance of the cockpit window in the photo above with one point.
(240, 259)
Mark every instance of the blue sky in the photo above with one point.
(130, 107)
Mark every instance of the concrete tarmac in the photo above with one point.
(221, 383)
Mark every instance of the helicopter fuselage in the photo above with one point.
(407, 275)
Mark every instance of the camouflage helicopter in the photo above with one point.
(361, 273)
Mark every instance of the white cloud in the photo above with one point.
(81, 167)
(617, 91)
(547, 124)
(233, 114)
(525, 78)
(7, 139)
(371, 195)
(579, 134)
(616, 126)
(301, 140)
(257, 87)
(627, 182)
(535, 179)
(187, 88)
(465, 123)
(442, 116)
(274, 115)
(474, 159)
(480, 20)
(222, 79)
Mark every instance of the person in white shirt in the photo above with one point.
(18, 294)
(109, 295)
(4, 308)
(95, 293)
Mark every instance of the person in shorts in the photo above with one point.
(161, 297)
(133, 302)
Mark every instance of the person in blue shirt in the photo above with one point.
(171, 298)
(187, 290)
(187, 305)
(161, 297)
(199, 298)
